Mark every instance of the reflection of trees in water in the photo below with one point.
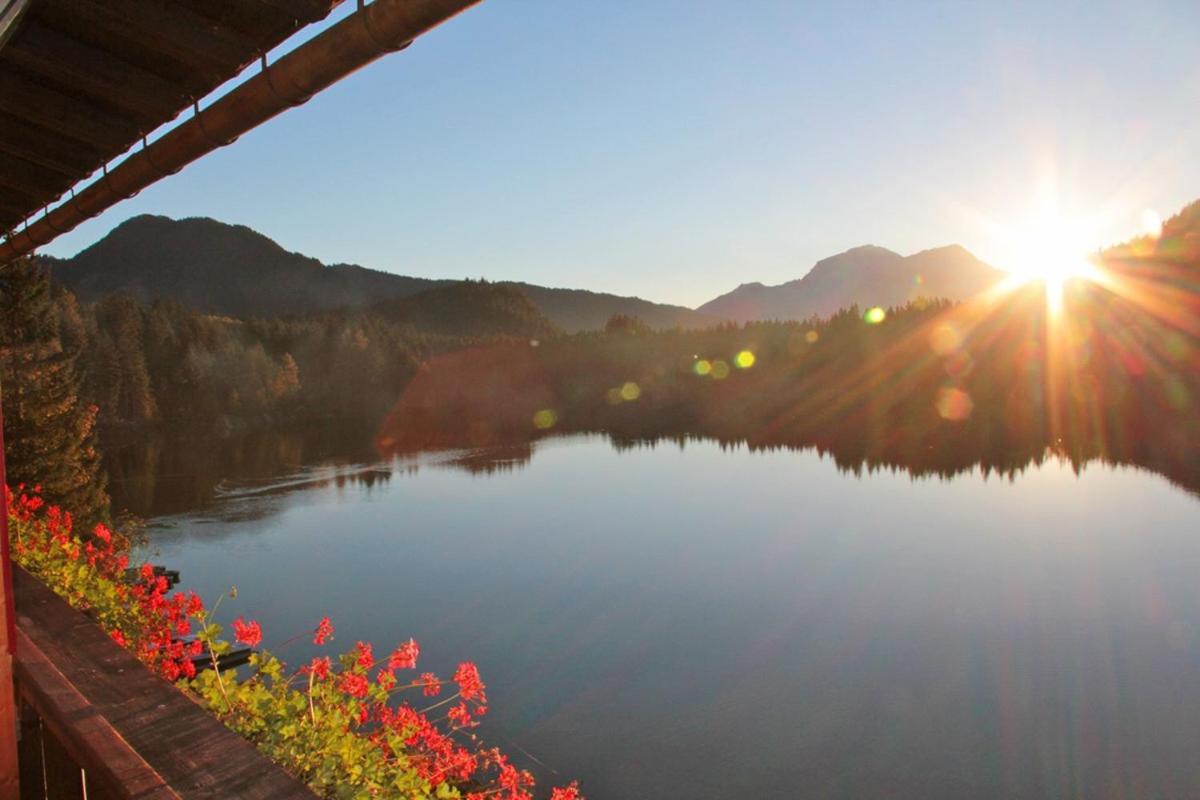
(168, 474)
(995, 384)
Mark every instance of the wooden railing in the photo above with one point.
(95, 723)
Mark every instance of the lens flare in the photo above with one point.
(954, 405)
(744, 359)
(875, 315)
(1051, 249)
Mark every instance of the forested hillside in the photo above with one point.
(216, 268)
(164, 365)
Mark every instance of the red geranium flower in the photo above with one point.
(404, 656)
(248, 633)
(319, 667)
(433, 686)
(366, 655)
(469, 684)
(568, 792)
(459, 715)
(354, 685)
(323, 632)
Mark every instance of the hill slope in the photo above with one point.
(218, 268)
(469, 308)
(868, 276)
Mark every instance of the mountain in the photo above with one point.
(215, 267)
(578, 309)
(868, 276)
(469, 308)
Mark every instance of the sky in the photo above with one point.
(673, 149)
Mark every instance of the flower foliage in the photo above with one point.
(350, 725)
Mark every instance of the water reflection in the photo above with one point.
(715, 621)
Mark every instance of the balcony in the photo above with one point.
(96, 724)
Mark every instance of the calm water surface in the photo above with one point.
(702, 622)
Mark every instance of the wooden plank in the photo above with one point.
(9, 775)
(33, 180)
(44, 147)
(83, 733)
(11, 215)
(29, 754)
(64, 778)
(303, 11)
(70, 116)
(83, 683)
(205, 54)
(11, 13)
(47, 53)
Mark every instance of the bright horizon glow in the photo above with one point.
(676, 149)
(1051, 247)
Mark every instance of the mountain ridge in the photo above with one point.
(867, 275)
(223, 268)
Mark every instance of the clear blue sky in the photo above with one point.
(675, 148)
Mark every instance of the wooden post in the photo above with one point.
(9, 783)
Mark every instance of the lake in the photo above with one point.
(705, 621)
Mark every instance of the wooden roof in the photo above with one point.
(82, 81)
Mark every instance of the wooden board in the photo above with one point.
(133, 733)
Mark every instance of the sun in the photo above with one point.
(1051, 249)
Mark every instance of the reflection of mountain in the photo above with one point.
(864, 276)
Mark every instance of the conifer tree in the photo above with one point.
(49, 434)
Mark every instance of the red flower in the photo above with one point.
(569, 792)
(319, 667)
(404, 656)
(323, 632)
(147, 572)
(433, 686)
(469, 684)
(459, 715)
(354, 685)
(118, 637)
(103, 534)
(248, 633)
(366, 656)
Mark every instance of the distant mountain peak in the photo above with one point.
(217, 267)
(865, 275)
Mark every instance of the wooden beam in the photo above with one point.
(24, 179)
(11, 12)
(11, 216)
(128, 728)
(96, 73)
(304, 11)
(373, 31)
(46, 148)
(82, 121)
(173, 30)
(9, 773)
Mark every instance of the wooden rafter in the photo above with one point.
(369, 33)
